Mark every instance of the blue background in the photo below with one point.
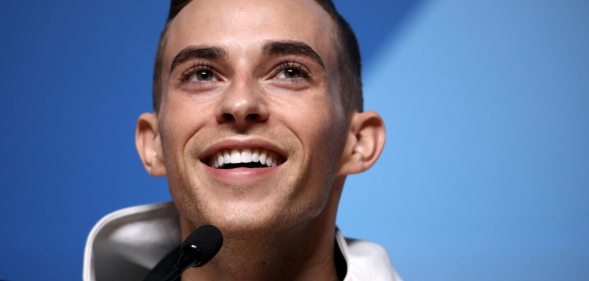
(485, 175)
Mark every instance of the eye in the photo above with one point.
(199, 73)
(202, 75)
(292, 71)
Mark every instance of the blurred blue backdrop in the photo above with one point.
(485, 175)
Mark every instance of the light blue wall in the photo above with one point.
(485, 175)
(486, 171)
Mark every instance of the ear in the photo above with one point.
(148, 143)
(366, 138)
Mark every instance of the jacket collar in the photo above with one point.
(128, 243)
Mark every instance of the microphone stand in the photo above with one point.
(198, 249)
(189, 256)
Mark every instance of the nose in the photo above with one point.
(243, 105)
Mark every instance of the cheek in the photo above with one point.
(179, 121)
(326, 125)
(182, 116)
(322, 132)
(322, 136)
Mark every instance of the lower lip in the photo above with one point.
(240, 174)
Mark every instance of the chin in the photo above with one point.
(240, 211)
(243, 217)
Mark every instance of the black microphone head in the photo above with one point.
(207, 240)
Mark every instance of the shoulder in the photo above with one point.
(126, 244)
(366, 261)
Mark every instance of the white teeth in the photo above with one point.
(246, 156)
(226, 157)
(269, 160)
(263, 155)
(220, 160)
(237, 156)
(256, 156)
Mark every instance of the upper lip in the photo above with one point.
(251, 143)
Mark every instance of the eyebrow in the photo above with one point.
(200, 52)
(273, 48)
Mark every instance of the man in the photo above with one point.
(258, 120)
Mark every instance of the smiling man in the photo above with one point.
(257, 122)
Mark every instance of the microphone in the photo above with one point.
(198, 249)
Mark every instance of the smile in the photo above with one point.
(244, 158)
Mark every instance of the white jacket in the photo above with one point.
(127, 244)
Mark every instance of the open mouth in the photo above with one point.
(244, 158)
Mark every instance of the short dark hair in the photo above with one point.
(349, 60)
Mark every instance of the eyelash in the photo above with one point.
(306, 74)
(186, 75)
(293, 65)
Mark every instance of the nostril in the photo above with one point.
(244, 114)
(253, 117)
(227, 117)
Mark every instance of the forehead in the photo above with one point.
(245, 25)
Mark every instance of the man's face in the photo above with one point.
(243, 81)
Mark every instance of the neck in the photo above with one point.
(306, 253)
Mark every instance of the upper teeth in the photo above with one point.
(238, 156)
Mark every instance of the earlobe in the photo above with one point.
(366, 138)
(148, 144)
